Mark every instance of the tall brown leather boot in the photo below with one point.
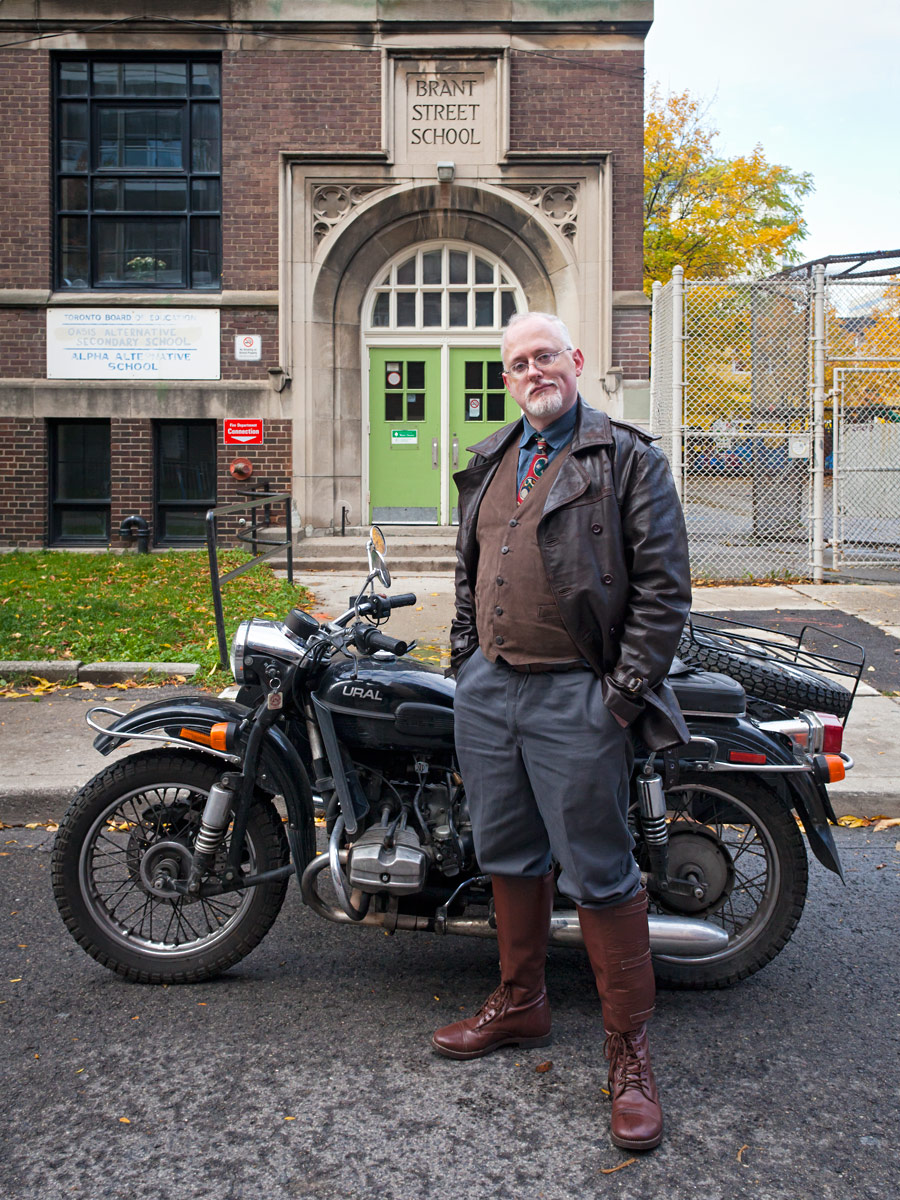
(517, 1012)
(618, 944)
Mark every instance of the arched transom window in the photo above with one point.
(443, 287)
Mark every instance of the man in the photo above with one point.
(572, 588)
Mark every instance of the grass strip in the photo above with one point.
(129, 607)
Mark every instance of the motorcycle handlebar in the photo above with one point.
(370, 639)
(403, 600)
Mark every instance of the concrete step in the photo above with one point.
(419, 549)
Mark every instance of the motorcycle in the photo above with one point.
(171, 864)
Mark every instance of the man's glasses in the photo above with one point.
(541, 361)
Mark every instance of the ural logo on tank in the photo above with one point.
(359, 691)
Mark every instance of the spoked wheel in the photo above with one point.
(745, 846)
(129, 833)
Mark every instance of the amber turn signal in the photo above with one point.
(829, 767)
(216, 739)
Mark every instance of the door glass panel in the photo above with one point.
(495, 374)
(415, 406)
(496, 406)
(474, 374)
(415, 375)
(393, 406)
(474, 408)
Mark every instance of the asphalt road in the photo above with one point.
(782, 1087)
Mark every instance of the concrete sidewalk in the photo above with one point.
(46, 751)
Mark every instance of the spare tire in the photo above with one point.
(762, 674)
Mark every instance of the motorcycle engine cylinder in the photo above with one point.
(400, 868)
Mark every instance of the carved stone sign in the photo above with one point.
(445, 110)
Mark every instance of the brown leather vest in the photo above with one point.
(515, 610)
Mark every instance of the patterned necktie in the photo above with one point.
(536, 468)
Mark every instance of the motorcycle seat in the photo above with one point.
(706, 693)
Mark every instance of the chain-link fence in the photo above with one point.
(779, 410)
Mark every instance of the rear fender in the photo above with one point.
(796, 789)
(281, 769)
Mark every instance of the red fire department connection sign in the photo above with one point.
(243, 431)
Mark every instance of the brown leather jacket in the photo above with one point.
(613, 543)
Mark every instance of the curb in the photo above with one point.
(96, 672)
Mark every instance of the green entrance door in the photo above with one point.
(404, 435)
(479, 404)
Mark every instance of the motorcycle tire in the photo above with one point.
(738, 837)
(762, 675)
(126, 824)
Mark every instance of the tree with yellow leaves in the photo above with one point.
(717, 217)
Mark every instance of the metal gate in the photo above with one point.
(778, 402)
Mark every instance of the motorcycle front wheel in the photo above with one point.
(745, 846)
(134, 823)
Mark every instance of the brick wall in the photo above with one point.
(131, 467)
(249, 320)
(583, 100)
(24, 492)
(308, 100)
(25, 175)
(23, 342)
(631, 341)
(271, 461)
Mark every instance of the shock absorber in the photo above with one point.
(652, 802)
(213, 824)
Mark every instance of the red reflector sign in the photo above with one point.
(243, 431)
(743, 756)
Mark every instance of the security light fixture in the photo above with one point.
(446, 171)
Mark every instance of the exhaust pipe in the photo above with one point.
(677, 937)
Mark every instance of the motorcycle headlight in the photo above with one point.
(238, 651)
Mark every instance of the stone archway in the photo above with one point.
(366, 231)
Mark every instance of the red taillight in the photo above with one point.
(744, 756)
(832, 733)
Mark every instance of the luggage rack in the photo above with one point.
(785, 648)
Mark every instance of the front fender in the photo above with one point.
(796, 789)
(281, 769)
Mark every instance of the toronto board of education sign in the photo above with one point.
(152, 344)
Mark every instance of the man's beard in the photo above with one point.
(548, 404)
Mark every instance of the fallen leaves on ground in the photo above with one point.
(879, 822)
(46, 687)
(543, 1067)
(740, 1152)
(610, 1170)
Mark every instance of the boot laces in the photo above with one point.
(628, 1067)
(496, 1003)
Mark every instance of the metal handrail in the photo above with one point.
(245, 535)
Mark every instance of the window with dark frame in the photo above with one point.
(138, 172)
(184, 479)
(79, 482)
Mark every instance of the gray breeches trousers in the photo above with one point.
(546, 767)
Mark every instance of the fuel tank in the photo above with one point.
(389, 704)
